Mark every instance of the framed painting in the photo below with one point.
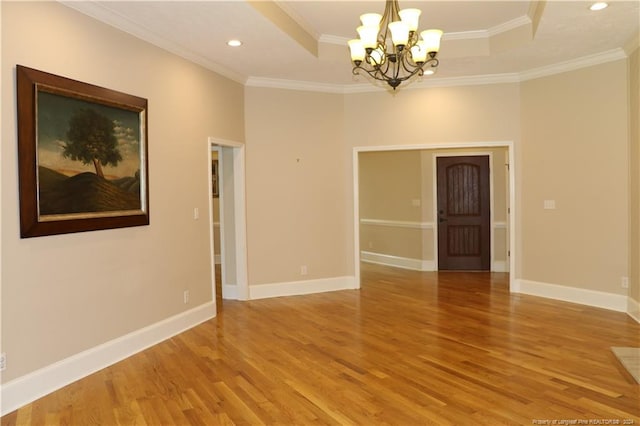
(82, 156)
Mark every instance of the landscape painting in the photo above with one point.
(82, 154)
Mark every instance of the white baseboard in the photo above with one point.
(633, 308)
(229, 292)
(500, 266)
(295, 288)
(599, 299)
(23, 390)
(397, 261)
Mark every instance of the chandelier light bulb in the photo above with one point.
(399, 33)
(357, 50)
(377, 56)
(419, 52)
(369, 36)
(371, 19)
(432, 40)
(410, 17)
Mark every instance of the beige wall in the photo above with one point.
(634, 161)
(390, 184)
(297, 169)
(68, 293)
(574, 151)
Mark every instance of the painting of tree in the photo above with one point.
(91, 139)
(90, 150)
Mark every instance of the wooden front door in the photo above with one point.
(464, 237)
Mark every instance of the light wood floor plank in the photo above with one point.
(408, 348)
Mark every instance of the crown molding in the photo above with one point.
(307, 86)
(430, 82)
(333, 39)
(574, 64)
(509, 25)
(122, 23)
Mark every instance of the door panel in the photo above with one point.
(464, 235)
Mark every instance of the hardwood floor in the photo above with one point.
(409, 348)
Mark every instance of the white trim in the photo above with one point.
(574, 64)
(240, 219)
(225, 142)
(518, 22)
(633, 308)
(398, 261)
(28, 388)
(500, 266)
(466, 35)
(214, 258)
(307, 86)
(599, 299)
(513, 284)
(333, 39)
(431, 81)
(294, 288)
(229, 292)
(397, 223)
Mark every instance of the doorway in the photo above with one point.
(502, 226)
(464, 213)
(231, 282)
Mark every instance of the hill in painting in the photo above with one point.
(85, 193)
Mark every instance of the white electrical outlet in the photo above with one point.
(3, 361)
(303, 270)
(186, 296)
(624, 282)
(196, 213)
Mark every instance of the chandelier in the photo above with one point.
(389, 48)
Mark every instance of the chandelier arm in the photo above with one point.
(396, 62)
(374, 73)
(408, 66)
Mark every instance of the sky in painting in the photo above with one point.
(53, 114)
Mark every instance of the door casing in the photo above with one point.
(512, 230)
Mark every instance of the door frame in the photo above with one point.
(435, 202)
(241, 290)
(511, 220)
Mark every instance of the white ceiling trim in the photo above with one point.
(574, 64)
(506, 78)
(509, 25)
(306, 86)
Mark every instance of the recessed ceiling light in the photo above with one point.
(234, 43)
(599, 5)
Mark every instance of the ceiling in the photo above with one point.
(304, 42)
